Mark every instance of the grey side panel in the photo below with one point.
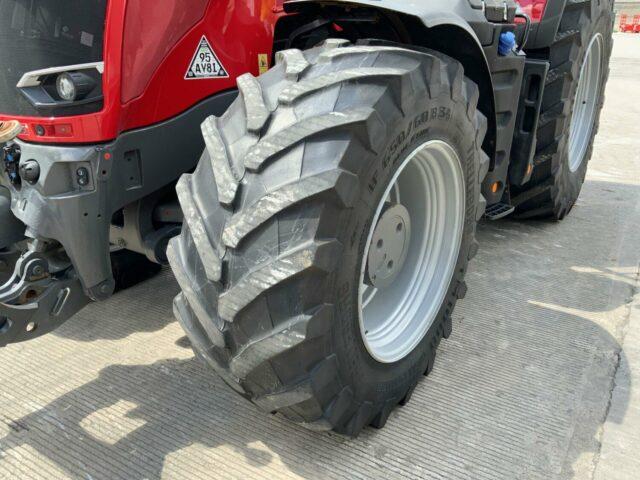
(77, 214)
(507, 72)
(58, 208)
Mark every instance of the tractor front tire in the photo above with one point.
(571, 105)
(280, 212)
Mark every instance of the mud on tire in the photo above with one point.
(276, 217)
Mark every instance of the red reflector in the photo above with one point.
(534, 8)
(57, 130)
(63, 130)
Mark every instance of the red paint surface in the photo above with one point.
(163, 27)
(145, 84)
(629, 27)
(533, 8)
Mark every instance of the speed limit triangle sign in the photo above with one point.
(205, 63)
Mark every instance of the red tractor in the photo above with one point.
(350, 148)
(629, 27)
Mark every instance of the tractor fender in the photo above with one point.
(464, 17)
(434, 13)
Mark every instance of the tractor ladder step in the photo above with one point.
(498, 211)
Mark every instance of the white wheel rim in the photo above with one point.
(430, 185)
(585, 104)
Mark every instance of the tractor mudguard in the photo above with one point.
(461, 13)
(482, 23)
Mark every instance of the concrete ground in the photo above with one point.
(539, 380)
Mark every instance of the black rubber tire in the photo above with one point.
(554, 188)
(277, 214)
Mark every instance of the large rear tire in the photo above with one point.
(572, 101)
(280, 214)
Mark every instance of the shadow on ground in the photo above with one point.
(170, 406)
(150, 301)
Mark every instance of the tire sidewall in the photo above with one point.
(437, 119)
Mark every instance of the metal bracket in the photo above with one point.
(500, 11)
(35, 302)
(498, 211)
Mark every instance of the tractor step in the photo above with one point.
(498, 211)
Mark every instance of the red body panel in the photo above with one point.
(146, 84)
(162, 28)
(626, 27)
(533, 8)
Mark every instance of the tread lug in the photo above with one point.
(301, 89)
(295, 63)
(304, 129)
(257, 112)
(408, 395)
(243, 223)
(211, 259)
(321, 255)
(225, 178)
(277, 341)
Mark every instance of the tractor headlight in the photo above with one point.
(66, 88)
(73, 86)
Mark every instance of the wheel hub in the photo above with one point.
(389, 246)
(411, 251)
